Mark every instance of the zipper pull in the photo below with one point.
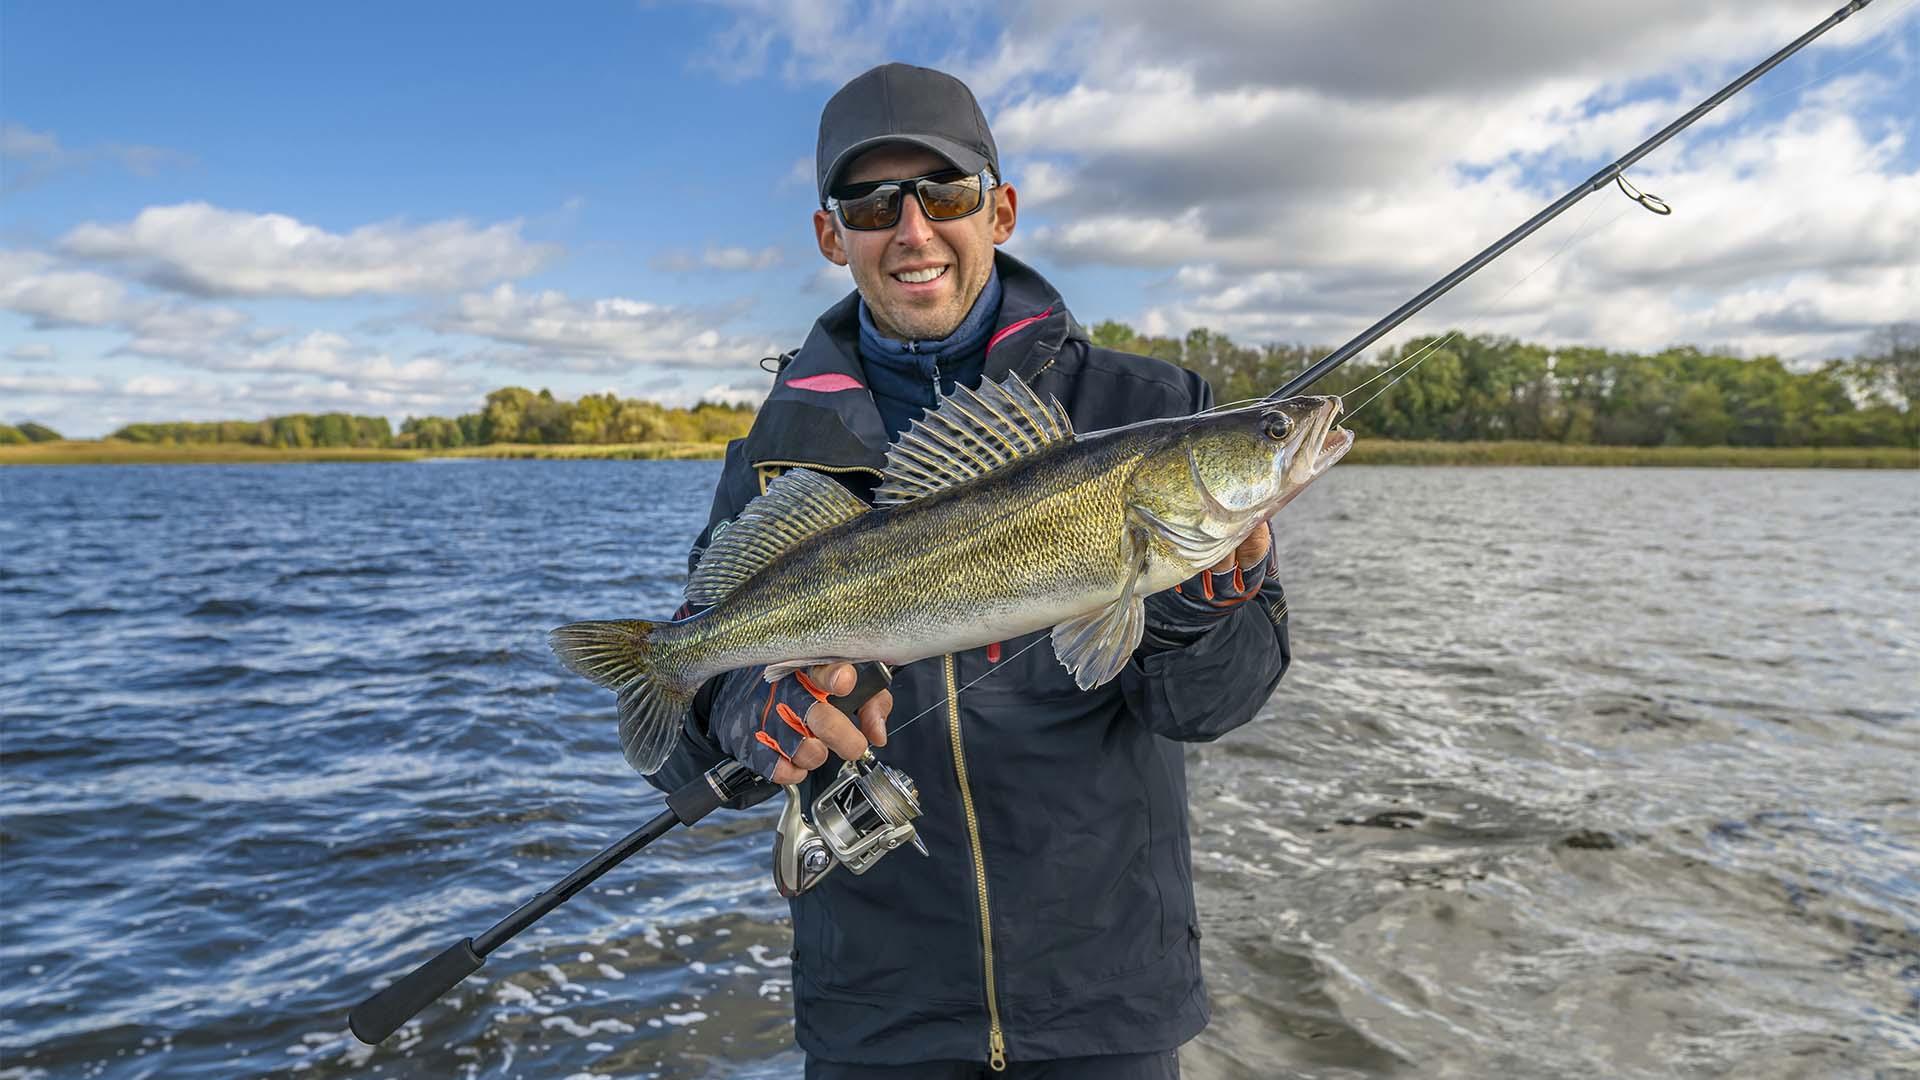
(997, 1057)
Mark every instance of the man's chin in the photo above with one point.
(917, 324)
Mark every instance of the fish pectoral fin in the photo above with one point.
(1193, 545)
(1095, 646)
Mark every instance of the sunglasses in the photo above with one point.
(944, 196)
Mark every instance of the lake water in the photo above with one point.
(1578, 772)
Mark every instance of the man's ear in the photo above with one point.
(826, 230)
(1006, 207)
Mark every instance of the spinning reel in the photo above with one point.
(866, 812)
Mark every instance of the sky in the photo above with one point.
(235, 210)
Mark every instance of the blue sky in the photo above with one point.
(230, 210)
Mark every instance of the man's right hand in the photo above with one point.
(784, 730)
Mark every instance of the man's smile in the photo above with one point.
(920, 275)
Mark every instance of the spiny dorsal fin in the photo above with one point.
(798, 504)
(970, 434)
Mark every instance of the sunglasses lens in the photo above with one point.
(957, 198)
(878, 209)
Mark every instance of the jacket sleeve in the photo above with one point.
(696, 751)
(1201, 690)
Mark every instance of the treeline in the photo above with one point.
(511, 415)
(1489, 388)
(517, 415)
(28, 432)
(295, 430)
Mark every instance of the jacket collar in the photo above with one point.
(820, 412)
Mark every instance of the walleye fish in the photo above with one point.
(992, 520)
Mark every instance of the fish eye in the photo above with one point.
(1277, 427)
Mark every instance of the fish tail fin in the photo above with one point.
(621, 656)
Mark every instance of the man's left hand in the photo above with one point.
(1250, 552)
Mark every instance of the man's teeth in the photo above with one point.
(915, 277)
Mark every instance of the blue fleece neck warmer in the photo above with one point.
(908, 377)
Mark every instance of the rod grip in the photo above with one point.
(382, 1014)
(874, 677)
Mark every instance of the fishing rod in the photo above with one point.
(866, 812)
(1614, 172)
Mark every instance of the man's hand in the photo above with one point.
(1250, 552)
(832, 729)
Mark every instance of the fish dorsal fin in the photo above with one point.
(970, 434)
(798, 504)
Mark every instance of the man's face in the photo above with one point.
(961, 251)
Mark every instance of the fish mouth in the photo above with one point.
(1329, 443)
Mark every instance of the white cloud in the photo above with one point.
(51, 385)
(209, 251)
(829, 278)
(1290, 171)
(32, 285)
(745, 393)
(315, 373)
(720, 258)
(31, 352)
(29, 157)
(53, 298)
(610, 334)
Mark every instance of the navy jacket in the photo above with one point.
(1057, 909)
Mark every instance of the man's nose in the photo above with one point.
(913, 229)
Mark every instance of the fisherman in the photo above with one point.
(1053, 931)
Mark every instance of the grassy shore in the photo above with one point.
(119, 452)
(1388, 452)
(1365, 452)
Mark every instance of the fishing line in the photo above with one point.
(1842, 67)
(1577, 236)
(892, 731)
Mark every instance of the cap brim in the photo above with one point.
(960, 157)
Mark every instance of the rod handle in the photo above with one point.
(382, 1014)
(874, 677)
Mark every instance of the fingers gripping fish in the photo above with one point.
(993, 519)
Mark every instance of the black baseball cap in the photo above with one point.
(905, 104)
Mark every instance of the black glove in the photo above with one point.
(1179, 616)
(760, 723)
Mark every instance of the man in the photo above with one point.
(1052, 932)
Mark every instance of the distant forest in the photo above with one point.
(1488, 388)
(1464, 388)
(29, 432)
(511, 415)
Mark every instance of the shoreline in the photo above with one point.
(1364, 452)
(118, 452)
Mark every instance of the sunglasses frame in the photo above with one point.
(835, 202)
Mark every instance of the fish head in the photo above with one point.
(1220, 473)
(1250, 461)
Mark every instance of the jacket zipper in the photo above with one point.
(996, 1040)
